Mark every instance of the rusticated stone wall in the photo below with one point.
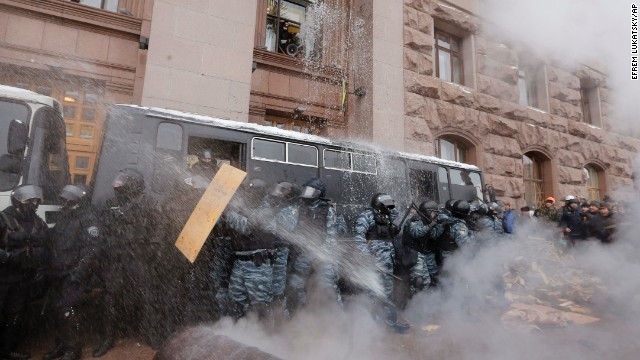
(488, 114)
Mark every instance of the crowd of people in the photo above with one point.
(259, 258)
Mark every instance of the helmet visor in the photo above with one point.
(387, 201)
(309, 192)
(72, 192)
(28, 192)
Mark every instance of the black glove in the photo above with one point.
(394, 230)
(18, 257)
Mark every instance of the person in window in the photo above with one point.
(207, 165)
(75, 240)
(24, 256)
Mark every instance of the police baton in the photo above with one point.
(412, 206)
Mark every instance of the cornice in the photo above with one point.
(54, 54)
(290, 64)
(64, 11)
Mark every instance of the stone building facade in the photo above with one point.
(421, 76)
(560, 145)
(86, 54)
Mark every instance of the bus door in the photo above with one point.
(274, 160)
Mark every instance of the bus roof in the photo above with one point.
(26, 95)
(294, 135)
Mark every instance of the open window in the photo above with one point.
(285, 19)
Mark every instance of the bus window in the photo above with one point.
(364, 163)
(9, 175)
(423, 185)
(49, 163)
(268, 150)
(339, 160)
(465, 185)
(302, 154)
(169, 137)
(443, 185)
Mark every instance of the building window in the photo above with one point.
(450, 149)
(533, 176)
(594, 180)
(449, 65)
(109, 5)
(284, 21)
(590, 105)
(528, 88)
(297, 125)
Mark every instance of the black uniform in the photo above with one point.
(24, 257)
(131, 261)
(75, 243)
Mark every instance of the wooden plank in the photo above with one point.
(209, 208)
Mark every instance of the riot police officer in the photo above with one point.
(251, 278)
(133, 247)
(489, 227)
(24, 256)
(375, 231)
(420, 234)
(317, 227)
(75, 240)
(456, 234)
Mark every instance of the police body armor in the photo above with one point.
(20, 236)
(74, 237)
(315, 219)
(447, 242)
(383, 228)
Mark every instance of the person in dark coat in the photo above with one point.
(571, 221)
(24, 258)
(75, 240)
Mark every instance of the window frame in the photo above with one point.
(537, 183)
(450, 38)
(286, 152)
(351, 153)
(278, 17)
(457, 149)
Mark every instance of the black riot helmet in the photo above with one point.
(26, 199)
(255, 190)
(285, 190)
(427, 207)
(460, 209)
(128, 184)
(26, 192)
(382, 202)
(448, 205)
(313, 188)
(73, 195)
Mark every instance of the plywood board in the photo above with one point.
(209, 208)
